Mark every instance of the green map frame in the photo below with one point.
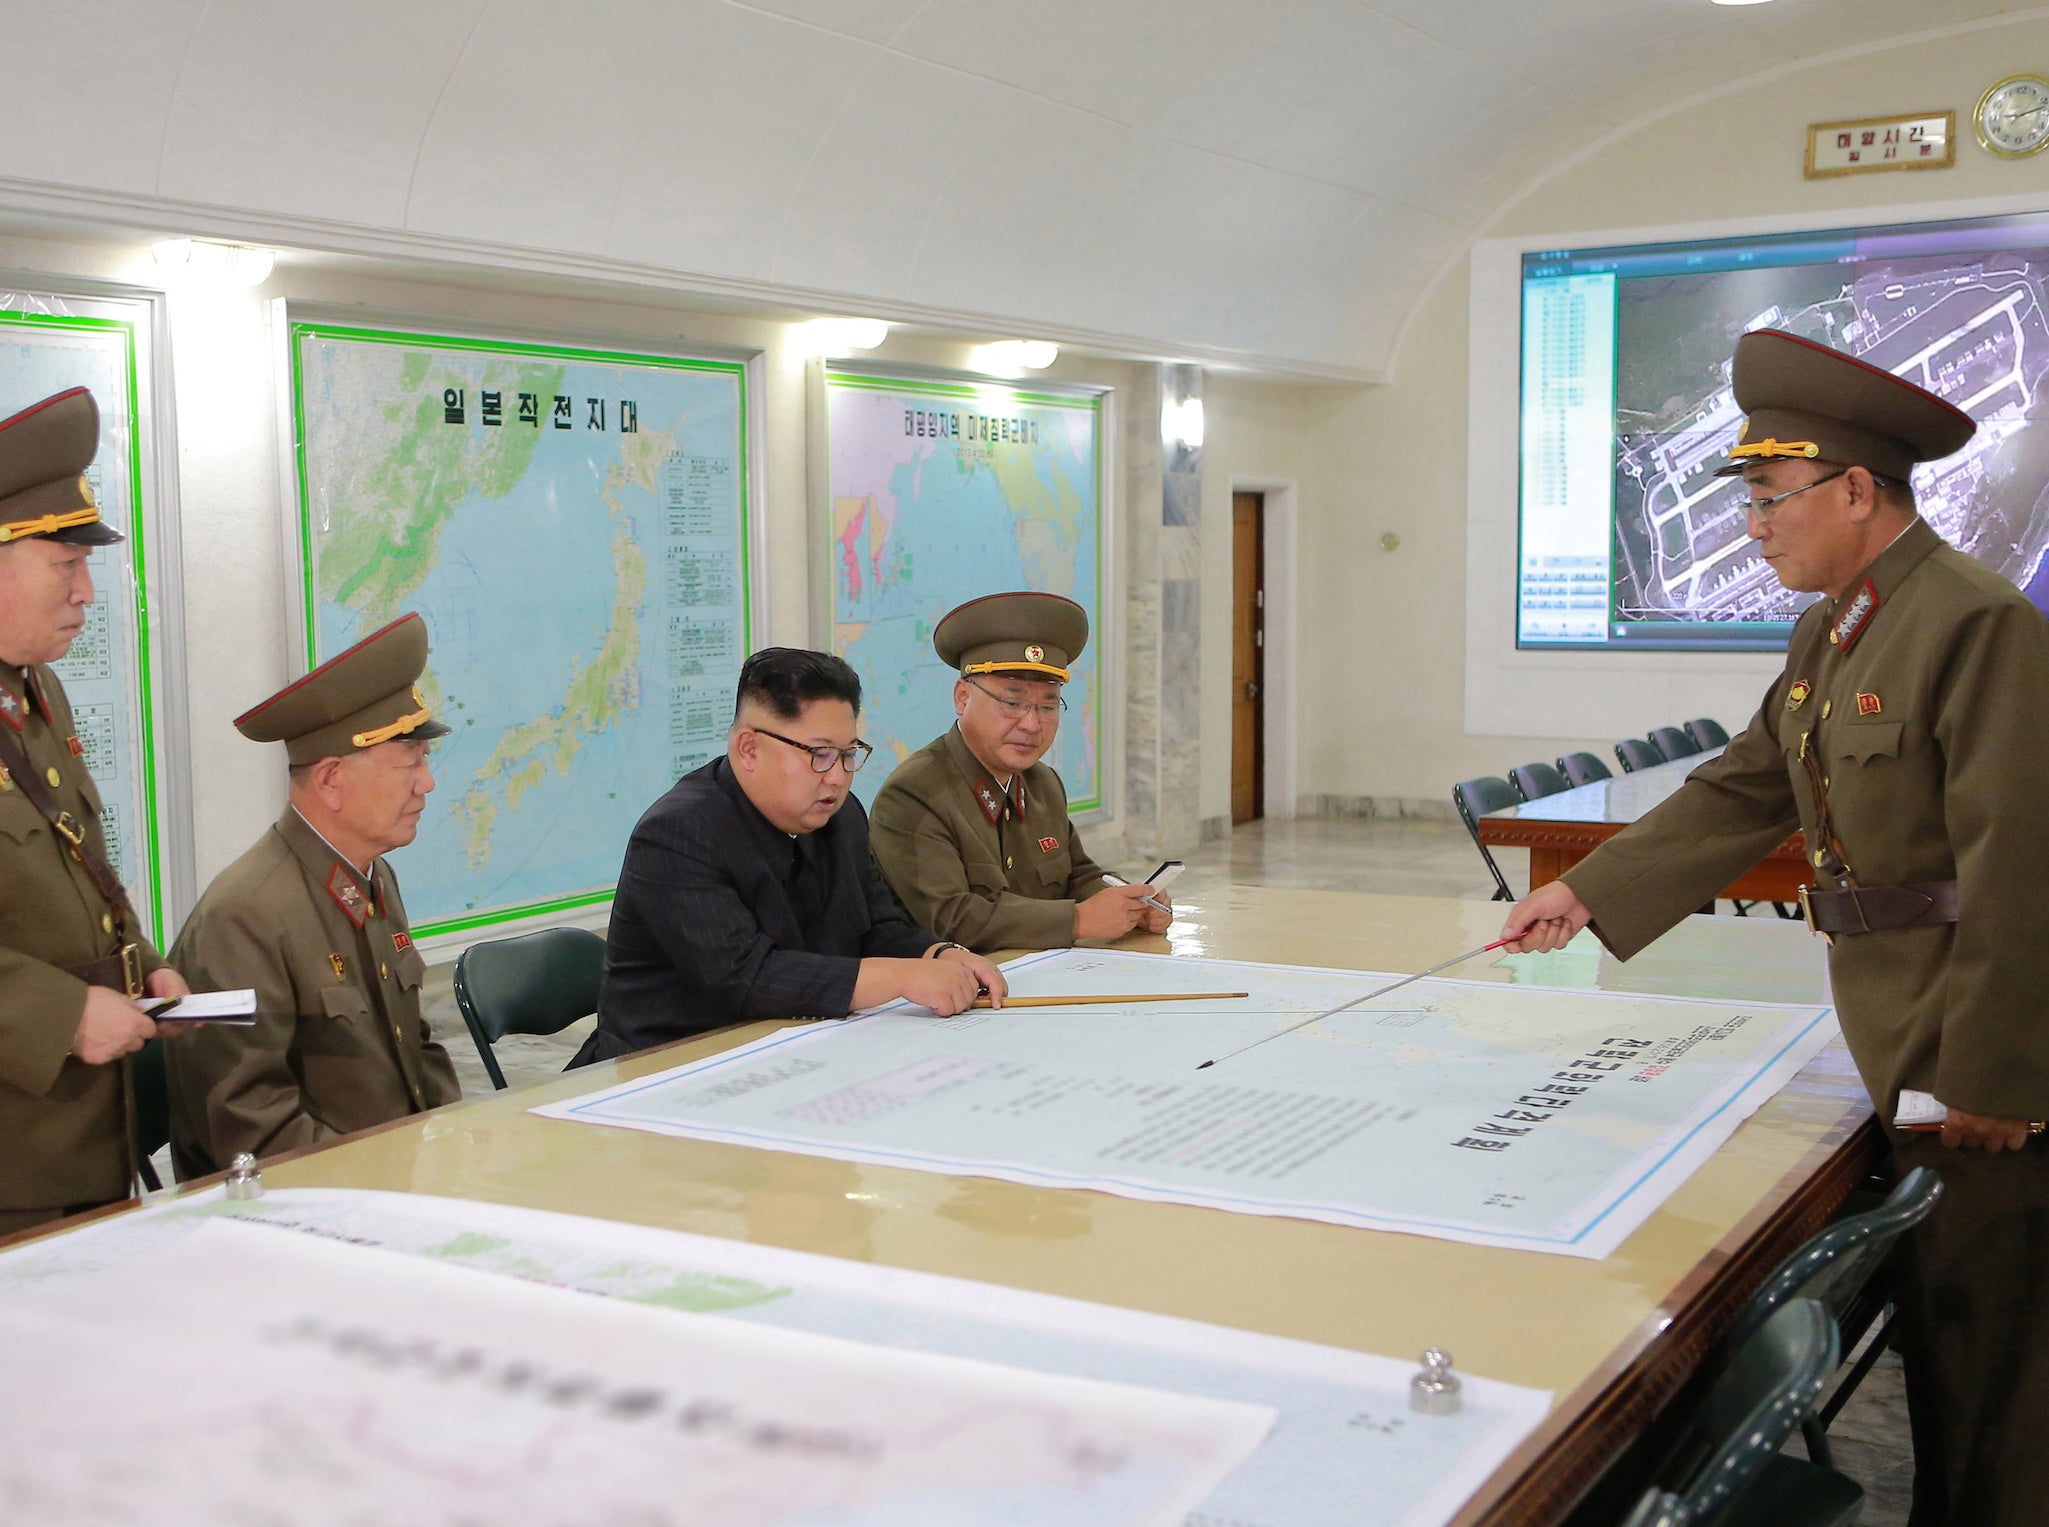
(149, 842)
(299, 330)
(1087, 399)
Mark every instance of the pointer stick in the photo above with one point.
(1148, 996)
(1457, 959)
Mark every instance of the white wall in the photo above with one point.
(233, 551)
(1389, 629)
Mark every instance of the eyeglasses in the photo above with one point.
(1015, 709)
(823, 758)
(1766, 508)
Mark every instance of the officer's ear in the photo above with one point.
(1862, 490)
(960, 697)
(324, 779)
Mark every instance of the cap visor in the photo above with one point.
(98, 533)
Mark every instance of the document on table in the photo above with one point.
(1523, 1117)
(248, 1368)
(1345, 1450)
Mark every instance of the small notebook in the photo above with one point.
(1919, 1108)
(206, 1007)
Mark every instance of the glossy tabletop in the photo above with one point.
(1559, 1323)
(1560, 830)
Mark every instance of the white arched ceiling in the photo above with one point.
(1266, 181)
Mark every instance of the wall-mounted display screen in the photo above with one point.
(1626, 539)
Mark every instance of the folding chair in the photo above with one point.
(1672, 743)
(538, 983)
(1533, 781)
(1583, 769)
(1708, 734)
(1474, 798)
(1634, 753)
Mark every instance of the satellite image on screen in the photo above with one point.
(1969, 327)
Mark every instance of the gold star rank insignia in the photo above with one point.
(1856, 615)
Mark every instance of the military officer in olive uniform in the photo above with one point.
(311, 918)
(972, 829)
(1906, 738)
(72, 959)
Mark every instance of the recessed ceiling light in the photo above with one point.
(1742, 2)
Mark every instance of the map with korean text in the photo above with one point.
(1495, 1114)
(944, 491)
(572, 526)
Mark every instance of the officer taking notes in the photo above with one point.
(1906, 737)
(72, 958)
(310, 917)
(972, 829)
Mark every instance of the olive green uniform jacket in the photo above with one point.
(338, 1044)
(1934, 774)
(64, 1130)
(977, 865)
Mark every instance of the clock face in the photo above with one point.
(2013, 117)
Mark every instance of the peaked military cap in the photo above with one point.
(44, 451)
(1805, 400)
(1030, 636)
(355, 700)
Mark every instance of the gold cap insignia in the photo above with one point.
(85, 492)
(1035, 653)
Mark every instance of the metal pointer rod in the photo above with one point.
(1457, 959)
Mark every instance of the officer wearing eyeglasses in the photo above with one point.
(972, 829)
(749, 892)
(1905, 738)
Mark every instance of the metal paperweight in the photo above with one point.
(1435, 1391)
(244, 1181)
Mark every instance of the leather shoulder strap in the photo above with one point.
(14, 759)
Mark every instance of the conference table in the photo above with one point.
(1560, 830)
(1613, 1339)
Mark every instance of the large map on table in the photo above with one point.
(572, 526)
(943, 491)
(1345, 1432)
(1540, 1120)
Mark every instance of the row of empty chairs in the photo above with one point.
(1533, 781)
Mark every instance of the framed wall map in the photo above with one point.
(574, 525)
(124, 673)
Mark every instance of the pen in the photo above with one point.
(1120, 880)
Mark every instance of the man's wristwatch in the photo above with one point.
(938, 949)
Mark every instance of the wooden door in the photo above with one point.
(1248, 657)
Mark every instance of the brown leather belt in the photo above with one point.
(121, 971)
(1876, 908)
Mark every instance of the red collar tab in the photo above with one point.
(341, 885)
(990, 799)
(1019, 782)
(1855, 617)
(10, 708)
(36, 694)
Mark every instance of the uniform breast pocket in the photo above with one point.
(343, 1026)
(1866, 742)
(410, 968)
(19, 821)
(1051, 865)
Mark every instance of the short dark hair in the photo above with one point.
(785, 679)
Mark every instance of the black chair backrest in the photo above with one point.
(1634, 753)
(1533, 781)
(1474, 798)
(1583, 769)
(1672, 743)
(1708, 734)
(1839, 1260)
(152, 1089)
(1770, 1386)
(538, 983)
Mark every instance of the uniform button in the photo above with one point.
(384, 972)
(107, 921)
(1826, 707)
(1817, 858)
(53, 777)
(1832, 637)
(1006, 861)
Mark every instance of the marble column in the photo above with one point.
(1162, 452)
